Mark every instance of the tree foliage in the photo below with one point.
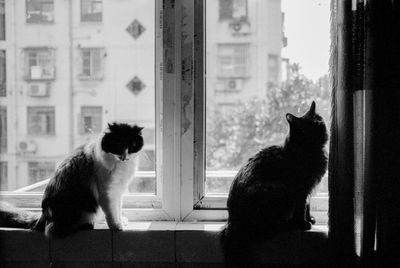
(234, 134)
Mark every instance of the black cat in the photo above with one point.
(269, 193)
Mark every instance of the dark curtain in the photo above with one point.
(364, 177)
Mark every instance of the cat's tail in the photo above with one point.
(13, 217)
(236, 247)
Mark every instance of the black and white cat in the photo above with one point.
(96, 174)
(269, 193)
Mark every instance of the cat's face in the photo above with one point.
(122, 140)
(308, 129)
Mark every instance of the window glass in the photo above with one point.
(39, 11)
(40, 64)
(3, 129)
(38, 171)
(3, 176)
(264, 58)
(91, 119)
(69, 79)
(3, 74)
(2, 20)
(92, 63)
(41, 120)
(233, 9)
(91, 10)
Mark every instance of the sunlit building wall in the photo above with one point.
(244, 42)
(71, 67)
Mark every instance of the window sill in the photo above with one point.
(167, 243)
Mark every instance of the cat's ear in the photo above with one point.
(311, 112)
(111, 126)
(140, 129)
(290, 118)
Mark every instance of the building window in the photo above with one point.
(3, 129)
(2, 20)
(39, 63)
(91, 10)
(233, 60)
(233, 9)
(39, 11)
(3, 176)
(273, 68)
(41, 120)
(92, 63)
(3, 74)
(38, 171)
(91, 120)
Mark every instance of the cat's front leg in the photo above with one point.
(111, 207)
(299, 220)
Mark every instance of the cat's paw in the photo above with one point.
(311, 219)
(117, 226)
(305, 225)
(302, 225)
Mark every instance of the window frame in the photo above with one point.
(47, 56)
(163, 205)
(90, 111)
(95, 54)
(237, 51)
(3, 174)
(38, 167)
(90, 14)
(41, 11)
(49, 111)
(196, 204)
(230, 17)
(3, 129)
(3, 73)
(2, 20)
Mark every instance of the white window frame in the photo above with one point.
(195, 204)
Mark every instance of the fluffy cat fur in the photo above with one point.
(269, 193)
(96, 174)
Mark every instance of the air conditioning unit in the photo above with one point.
(238, 28)
(36, 72)
(234, 84)
(38, 90)
(27, 147)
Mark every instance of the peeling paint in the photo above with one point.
(187, 70)
(187, 86)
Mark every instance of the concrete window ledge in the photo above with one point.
(151, 244)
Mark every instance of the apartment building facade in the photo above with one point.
(68, 67)
(243, 48)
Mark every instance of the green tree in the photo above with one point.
(234, 134)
